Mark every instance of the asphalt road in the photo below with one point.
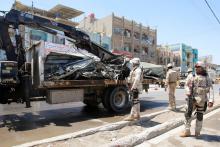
(19, 125)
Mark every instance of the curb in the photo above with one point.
(152, 132)
(107, 127)
(136, 139)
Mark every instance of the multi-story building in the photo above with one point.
(206, 59)
(126, 35)
(165, 56)
(188, 55)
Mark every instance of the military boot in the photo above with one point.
(173, 109)
(185, 133)
(137, 116)
(129, 118)
(197, 134)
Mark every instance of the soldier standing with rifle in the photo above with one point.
(197, 88)
(135, 87)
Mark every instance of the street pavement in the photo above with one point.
(19, 125)
(210, 135)
(122, 133)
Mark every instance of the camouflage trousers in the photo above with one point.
(135, 110)
(199, 109)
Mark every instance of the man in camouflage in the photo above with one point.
(171, 82)
(197, 88)
(135, 87)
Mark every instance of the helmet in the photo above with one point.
(189, 70)
(169, 65)
(200, 64)
(135, 61)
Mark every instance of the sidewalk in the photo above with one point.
(122, 133)
(210, 135)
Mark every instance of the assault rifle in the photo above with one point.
(190, 100)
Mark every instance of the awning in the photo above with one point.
(123, 53)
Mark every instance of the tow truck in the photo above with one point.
(21, 79)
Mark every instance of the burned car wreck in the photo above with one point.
(82, 65)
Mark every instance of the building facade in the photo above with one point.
(206, 59)
(188, 56)
(166, 56)
(57, 14)
(126, 35)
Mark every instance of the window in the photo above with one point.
(58, 40)
(38, 35)
(106, 46)
(137, 49)
(3, 55)
(136, 35)
(145, 50)
(118, 31)
(188, 55)
(127, 47)
(127, 33)
(148, 40)
(144, 37)
(195, 56)
(152, 54)
(161, 60)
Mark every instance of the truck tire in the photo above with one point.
(105, 99)
(118, 99)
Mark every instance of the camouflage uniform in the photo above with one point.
(199, 86)
(171, 81)
(134, 81)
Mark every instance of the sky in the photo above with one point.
(177, 21)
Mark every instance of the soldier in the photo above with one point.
(197, 89)
(135, 87)
(171, 81)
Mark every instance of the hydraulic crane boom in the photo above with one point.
(15, 18)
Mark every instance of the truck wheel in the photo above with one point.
(105, 99)
(119, 99)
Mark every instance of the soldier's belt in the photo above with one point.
(202, 90)
(171, 82)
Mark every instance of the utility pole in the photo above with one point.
(32, 7)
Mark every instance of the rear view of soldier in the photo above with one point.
(171, 82)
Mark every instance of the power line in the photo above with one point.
(212, 11)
